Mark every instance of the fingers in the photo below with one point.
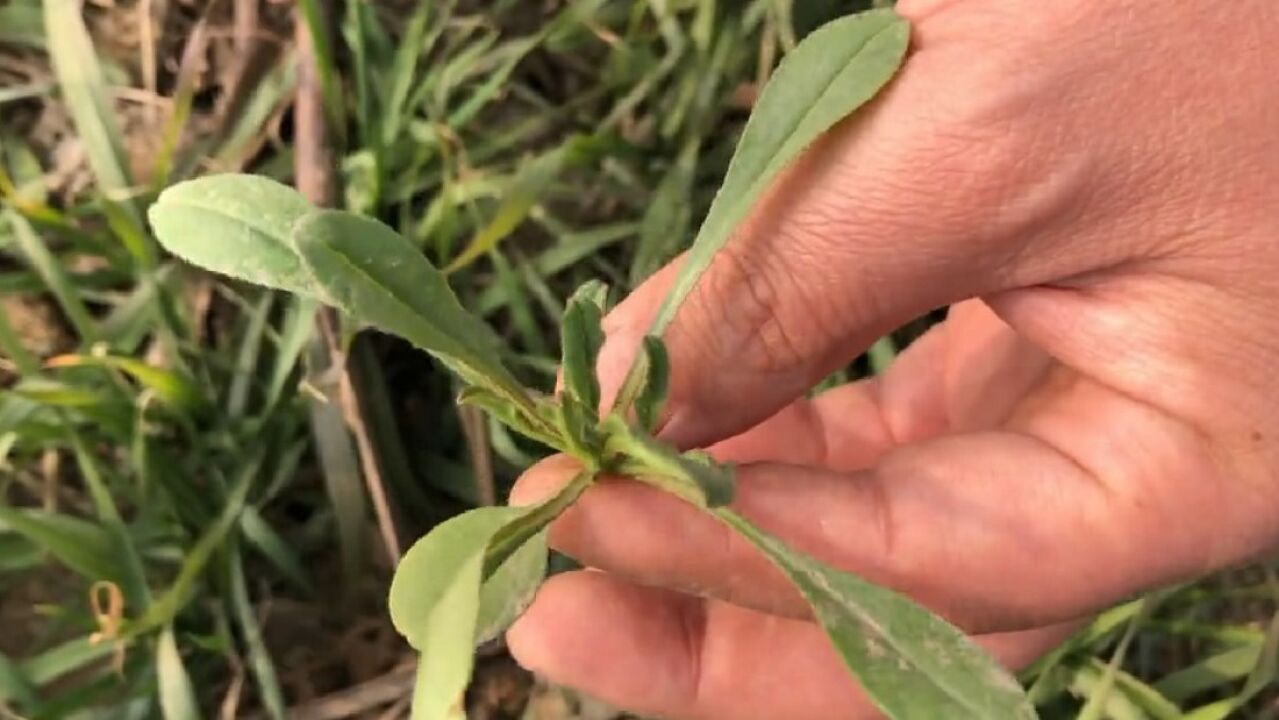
(854, 240)
(999, 530)
(661, 653)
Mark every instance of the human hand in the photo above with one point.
(1104, 178)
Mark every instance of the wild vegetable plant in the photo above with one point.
(467, 580)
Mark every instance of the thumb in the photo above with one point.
(936, 192)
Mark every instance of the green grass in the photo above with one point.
(187, 446)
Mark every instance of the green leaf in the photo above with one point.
(1210, 672)
(440, 576)
(236, 225)
(511, 416)
(834, 71)
(373, 274)
(179, 593)
(313, 15)
(267, 541)
(15, 685)
(465, 582)
(17, 353)
(665, 225)
(86, 548)
(17, 553)
(260, 664)
(582, 336)
(692, 477)
(655, 373)
(51, 271)
(177, 694)
(84, 90)
(579, 429)
(22, 24)
(525, 189)
(434, 602)
(912, 663)
(520, 530)
(295, 332)
(63, 659)
(178, 392)
(507, 593)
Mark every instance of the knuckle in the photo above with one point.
(761, 306)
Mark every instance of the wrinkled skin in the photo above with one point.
(1094, 187)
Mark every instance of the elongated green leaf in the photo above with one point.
(267, 541)
(1210, 672)
(655, 373)
(465, 582)
(528, 186)
(321, 53)
(82, 546)
(177, 694)
(664, 228)
(84, 89)
(55, 278)
(175, 390)
(375, 275)
(13, 349)
(134, 582)
(693, 477)
(15, 685)
(260, 663)
(1262, 676)
(508, 591)
(237, 225)
(17, 553)
(582, 336)
(579, 428)
(515, 533)
(508, 414)
(62, 659)
(166, 606)
(22, 24)
(912, 663)
(834, 71)
(403, 71)
(1089, 681)
(299, 324)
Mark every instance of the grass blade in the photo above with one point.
(85, 547)
(14, 351)
(177, 694)
(526, 188)
(55, 278)
(179, 593)
(260, 662)
(266, 540)
(84, 89)
(64, 659)
(16, 686)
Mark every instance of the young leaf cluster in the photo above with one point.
(472, 575)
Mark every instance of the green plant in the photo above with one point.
(472, 575)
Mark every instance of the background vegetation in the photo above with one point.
(199, 510)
